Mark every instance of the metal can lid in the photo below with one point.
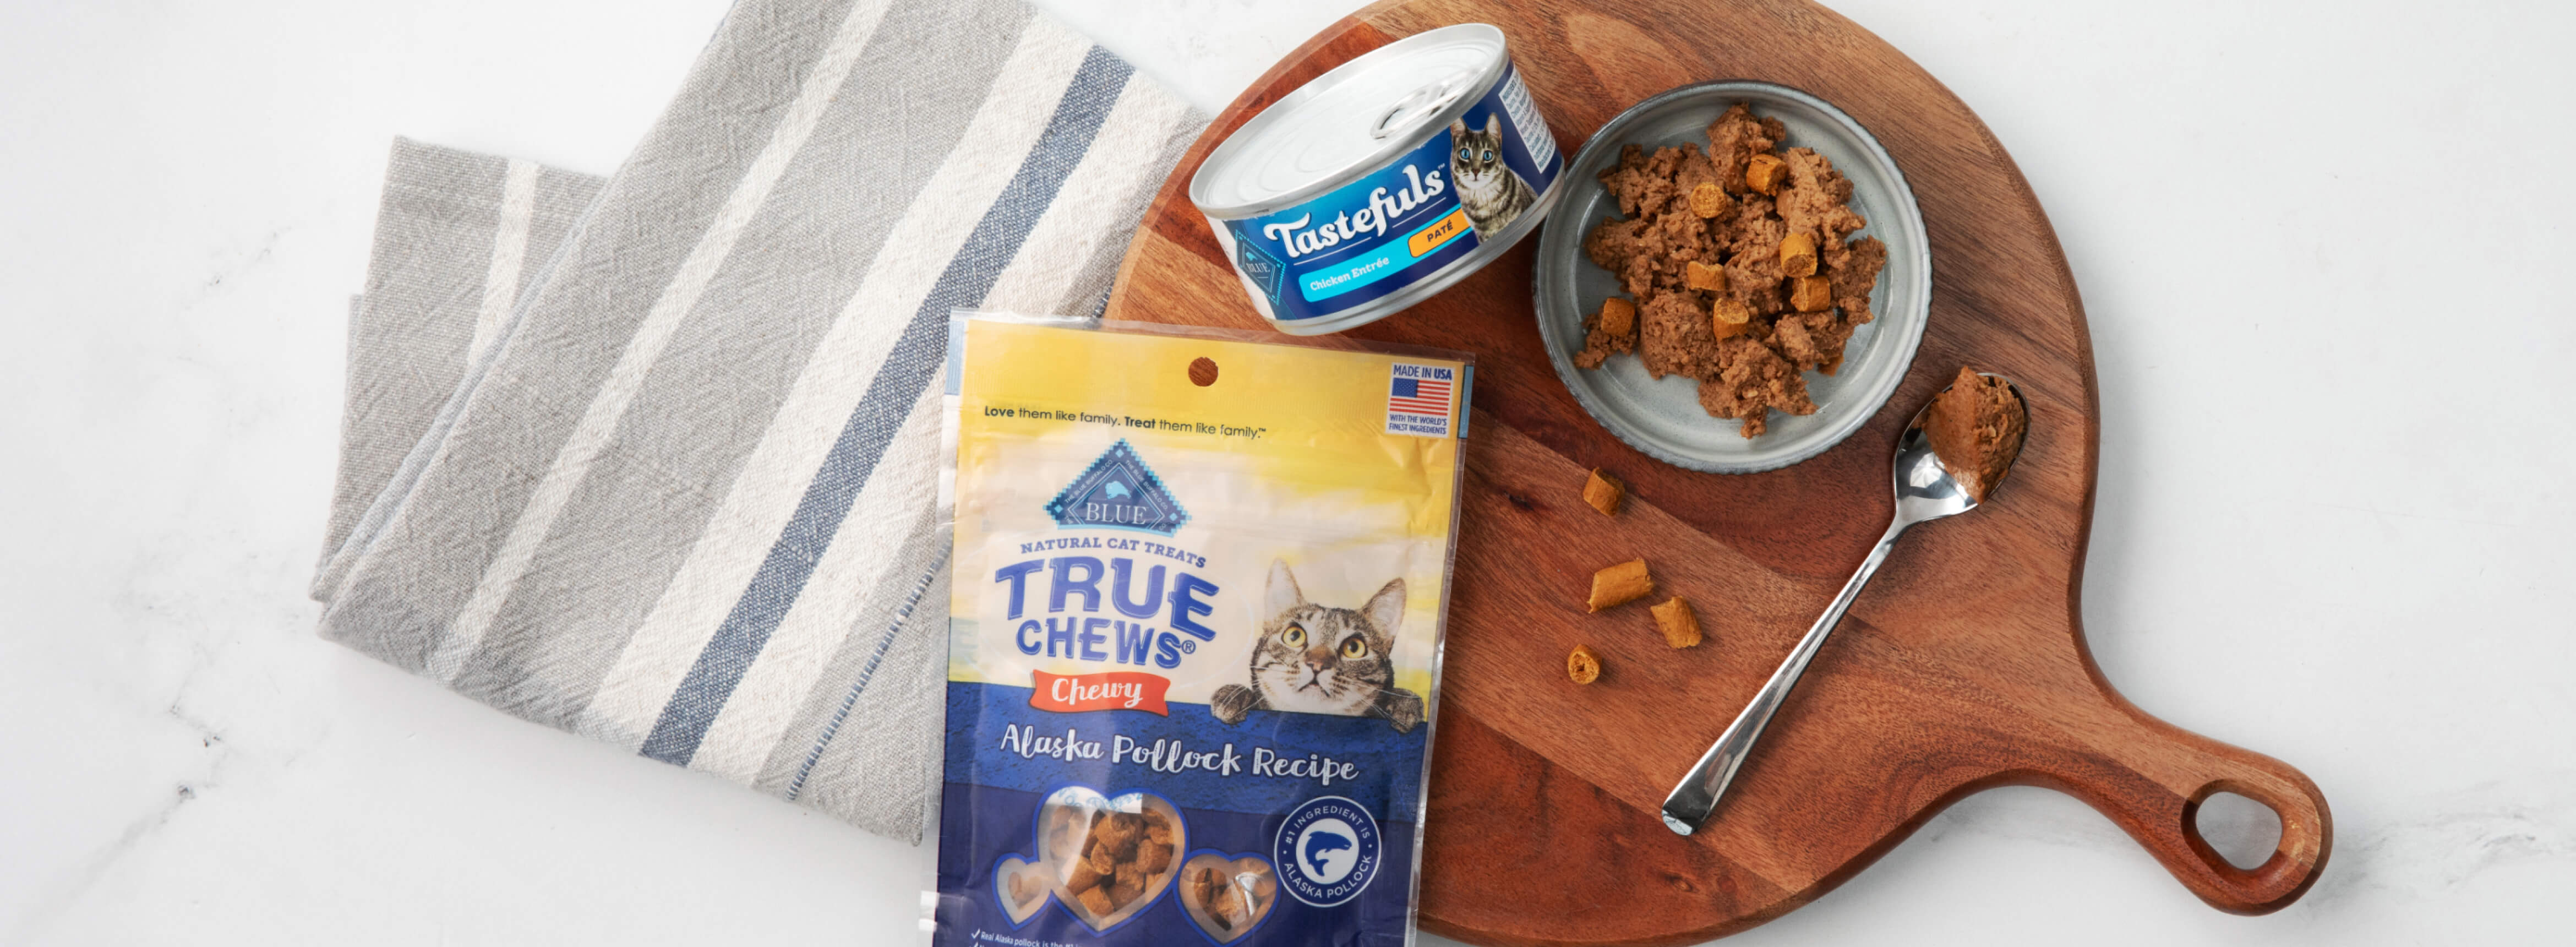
(1349, 120)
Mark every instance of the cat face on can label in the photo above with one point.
(1226, 597)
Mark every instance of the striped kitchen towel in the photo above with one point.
(458, 237)
(677, 490)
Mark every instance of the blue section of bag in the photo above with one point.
(1233, 787)
(982, 827)
(1268, 763)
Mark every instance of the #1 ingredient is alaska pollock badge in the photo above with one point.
(1195, 614)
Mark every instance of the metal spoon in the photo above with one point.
(1925, 491)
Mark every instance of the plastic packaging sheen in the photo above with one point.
(1197, 594)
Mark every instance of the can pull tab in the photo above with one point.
(1420, 104)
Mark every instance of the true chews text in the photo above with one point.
(1073, 583)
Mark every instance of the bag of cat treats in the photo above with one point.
(1196, 602)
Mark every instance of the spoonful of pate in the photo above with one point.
(1951, 458)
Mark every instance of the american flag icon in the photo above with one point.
(1418, 392)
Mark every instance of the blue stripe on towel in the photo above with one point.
(898, 383)
(832, 728)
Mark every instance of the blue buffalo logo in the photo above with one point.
(1118, 492)
(1258, 267)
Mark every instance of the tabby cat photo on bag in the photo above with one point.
(1317, 659)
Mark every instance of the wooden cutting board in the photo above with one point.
(1962, 667)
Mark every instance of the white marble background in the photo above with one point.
(2322, 246)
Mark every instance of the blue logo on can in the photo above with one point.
(1327, 851)
(1267, 274)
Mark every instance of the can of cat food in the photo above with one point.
(1381, 182)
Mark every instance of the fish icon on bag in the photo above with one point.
(1320, 844)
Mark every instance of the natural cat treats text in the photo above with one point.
(1195, 604)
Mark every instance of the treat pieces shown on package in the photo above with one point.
(1025, 889)
(1232, 902)
(1742, 264)
(1120, 859)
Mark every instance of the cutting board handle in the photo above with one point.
(2161, 776)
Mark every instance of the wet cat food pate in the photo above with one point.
(1742, 265)
(1976, 428)
(1196, 594)
(1381, 182)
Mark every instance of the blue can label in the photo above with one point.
(1403, 222)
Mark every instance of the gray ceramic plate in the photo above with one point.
(1662, 416)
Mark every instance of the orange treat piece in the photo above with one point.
(1125, 887)
(1618, 316)
(1609, 332)
(1729, 318)
(1709, 200)
(1678, 623)
(1765, 173)
(1098, 902)
(1620, 584)
(1811, 294)
(1084, 877)
(1153, 857)
(1604, 492)
(1798, 255)
(1583, 666)
(1708, 276)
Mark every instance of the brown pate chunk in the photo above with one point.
(1976, 428)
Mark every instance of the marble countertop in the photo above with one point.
(2313, 241)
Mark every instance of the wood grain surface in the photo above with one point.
(1962, 667)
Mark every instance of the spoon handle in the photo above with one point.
(1693, 800)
